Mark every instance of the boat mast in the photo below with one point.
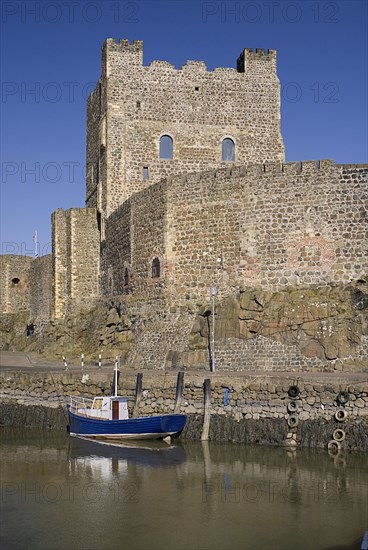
(116, 375)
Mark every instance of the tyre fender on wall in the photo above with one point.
(341, 415)
(343, 397)
(293, 421)
(293, 391)
(339, 435)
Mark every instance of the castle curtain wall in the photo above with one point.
(41, 284)
(271, 226)
(136, 234)
(76, 258)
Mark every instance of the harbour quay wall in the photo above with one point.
(251, 409)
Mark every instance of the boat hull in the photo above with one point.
(146, 427)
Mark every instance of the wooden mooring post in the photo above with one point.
(207, 409)
(179, 391)
(138, 394)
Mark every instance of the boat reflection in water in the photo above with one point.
(147, 494)
(107, 457)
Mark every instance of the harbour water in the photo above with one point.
(59, 492)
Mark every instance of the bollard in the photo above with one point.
(207, 406)
(82, 361)
(99, 361)
(179, 391)
(226, 397)
(138, 394)
(65, 363)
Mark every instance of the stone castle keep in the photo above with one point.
(187, 189)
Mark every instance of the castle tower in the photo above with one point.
(147, 123)
(14, 283)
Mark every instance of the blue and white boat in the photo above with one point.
(107, 418)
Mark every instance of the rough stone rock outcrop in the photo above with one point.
(287, 330)
(327, 323)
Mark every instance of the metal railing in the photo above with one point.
(80, 403)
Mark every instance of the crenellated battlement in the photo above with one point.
(354, 167)
(158, 65)
(284, 170)
(76, 211)
(132, 54)
(281, 168)
(195, 66)
(124, 45)
(190, 68)
(248, 57)
(117, 56)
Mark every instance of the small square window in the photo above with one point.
(145, 173)
(196, 88)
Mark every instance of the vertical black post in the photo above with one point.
(138, 393)
(179, 391)
(207, 407)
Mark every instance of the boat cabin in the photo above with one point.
(104, 408)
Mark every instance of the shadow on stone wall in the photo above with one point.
(315, 328)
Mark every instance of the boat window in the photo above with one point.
(97, 403)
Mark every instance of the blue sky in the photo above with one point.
(50, 58)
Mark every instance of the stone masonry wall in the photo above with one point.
(239, 399)
(76, 251)
(197, 108)
(135, 236)
(96, 148)
(14, 283)
(268, 226)
(167, 337)
(59, 262)
(116, 253)
(41, 283)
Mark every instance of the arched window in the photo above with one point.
(166, 147)
(155, 268)
(15, 281)
(228, 150)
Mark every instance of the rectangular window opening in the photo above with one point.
(145, 173)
